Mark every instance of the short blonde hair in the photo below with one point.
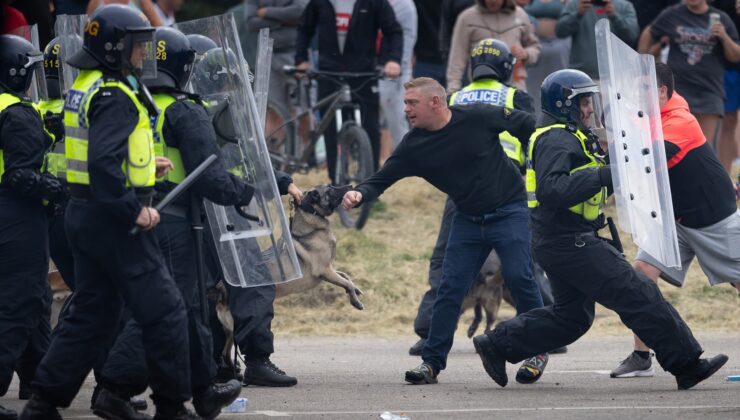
(429, 86)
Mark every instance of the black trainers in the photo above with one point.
(111, 406)
(493, 361)
(7, 414)
(701, 370)
(422, 375)
(532, 369)
(416, 349)
(38, 409)
(208, 404)
(181, 414)
(265, 373)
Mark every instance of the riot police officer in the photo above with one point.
(567, 185)
(24, 291)
(251, 307)
(184, 134)
(111, 171)
(492, 65)
(55, 163)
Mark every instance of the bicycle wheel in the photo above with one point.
(279, 138)
(354, 165)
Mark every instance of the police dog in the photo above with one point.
(487, 294)
(316, 245)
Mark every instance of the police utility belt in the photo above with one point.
(82, 193)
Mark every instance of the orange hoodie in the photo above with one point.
(680, 127)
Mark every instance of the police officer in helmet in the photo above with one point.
(111, 170)
(56, 163)
(568, 182)
(24, 291)
(183, 133)
(492, 65)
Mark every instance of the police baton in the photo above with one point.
(180, 188)
(615, 242)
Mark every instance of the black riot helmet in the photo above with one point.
(201, 43)
(175, 59)
(112, 33)
(18, 61)
(216, 71)
(51, 67)
(491, 59)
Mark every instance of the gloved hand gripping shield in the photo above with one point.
(70, 30)
(253, 242)
(636, 148)
(36, 89)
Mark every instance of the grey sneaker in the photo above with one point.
(421, 375)
(634, 366)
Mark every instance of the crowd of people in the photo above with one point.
(490, 101)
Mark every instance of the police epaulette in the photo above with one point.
(571, 127)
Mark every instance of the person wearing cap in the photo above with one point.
(111, 171)
(24, 291)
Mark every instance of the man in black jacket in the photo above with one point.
(347, 34)
(457, 150)
(567, 195)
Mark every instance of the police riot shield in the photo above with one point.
(70, 30)
(37, 89)
(262, 73)
(636, 147)
(253, 242)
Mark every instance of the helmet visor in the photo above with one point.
(37, 86)
(588, 107)
(141, 55)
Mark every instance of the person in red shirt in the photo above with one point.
(707, 218)
(10, 18)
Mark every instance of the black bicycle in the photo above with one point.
(354, 151)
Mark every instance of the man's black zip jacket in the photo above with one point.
(555, 154)
(368, 16)
(464, 159)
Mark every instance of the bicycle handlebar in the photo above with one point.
(312, 73)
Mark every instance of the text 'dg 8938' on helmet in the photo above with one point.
(561, 94)
(492, 59)
(175, 59)
(117, 38)
(18, 61)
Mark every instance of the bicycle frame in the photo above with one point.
(337, 102)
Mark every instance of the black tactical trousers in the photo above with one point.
(113, 268)
(584, 269)
(25, 297)
(126, 369)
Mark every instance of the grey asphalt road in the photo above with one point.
(361, 377)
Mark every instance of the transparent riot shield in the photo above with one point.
(262, 73)
(636, 148)
(37, 90)
(253, 243)
(70, 30)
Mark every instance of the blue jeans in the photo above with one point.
(471, 240)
